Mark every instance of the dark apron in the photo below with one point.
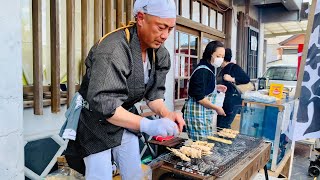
(74, 157)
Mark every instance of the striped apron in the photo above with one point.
(197, 117)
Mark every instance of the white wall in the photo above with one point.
(253, 11)
(48, 124)
(169, 44)
(290, 59)
(11, 105)
(272, 54)
(286, 59)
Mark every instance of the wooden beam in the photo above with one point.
(55, 55)
(197, 26)
(37, 57)
(70, 49)
(305, 48)
(108, 16)
(29, 89)
(84, 35)
(97, 20)
(119, 18)
(46, 102)
(129, 10)
(283, 34)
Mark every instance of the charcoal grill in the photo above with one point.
(223, 158)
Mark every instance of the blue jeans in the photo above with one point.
(225, 121)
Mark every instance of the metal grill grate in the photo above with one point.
(223, 158)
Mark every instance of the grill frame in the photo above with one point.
(242, 147)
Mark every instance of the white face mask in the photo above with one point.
(217, 61)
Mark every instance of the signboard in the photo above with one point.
(276, 90)
(254, 43)
(308, 115)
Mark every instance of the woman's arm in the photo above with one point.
(237, 75)
(241, 77)
(206, 103)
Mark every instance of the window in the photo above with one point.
(252, 67)
(290, 51)
(185, 4)
(205, 15)
(282, 73)
(213, 15)
(196, 11)
(201, 12)
(220, 22)
(205, 42)
(186, 60)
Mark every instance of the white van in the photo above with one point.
(282, 74)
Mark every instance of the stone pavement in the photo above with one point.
(301, 163)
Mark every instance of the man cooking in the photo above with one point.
(121, 72)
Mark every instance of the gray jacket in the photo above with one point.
(114, 77)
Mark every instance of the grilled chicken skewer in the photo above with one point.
(228, 130)
(179, 154)
(219, 139)
(225, 134)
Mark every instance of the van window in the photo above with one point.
(281, 73)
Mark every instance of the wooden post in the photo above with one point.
(119, 18)
(97, 20)
(246, 36)
(55, 56)
(129, 10)
(240, 40)
(37, 57)
(305, 48)
(71, 48)
(180, 7)
(84, 35)
(201, 10)
(200, 44)
(228, 28)
(108, 16)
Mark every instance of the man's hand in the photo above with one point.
(227, 77)
(159, 127)
(160, 109)
(177, 118)
(221, 88)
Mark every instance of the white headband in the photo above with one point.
(160, 8)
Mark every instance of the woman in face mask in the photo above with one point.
(201, 105)
(230, 75)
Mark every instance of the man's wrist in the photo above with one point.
(144, 124)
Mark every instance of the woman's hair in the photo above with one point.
(211, 48)
(228, 55)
